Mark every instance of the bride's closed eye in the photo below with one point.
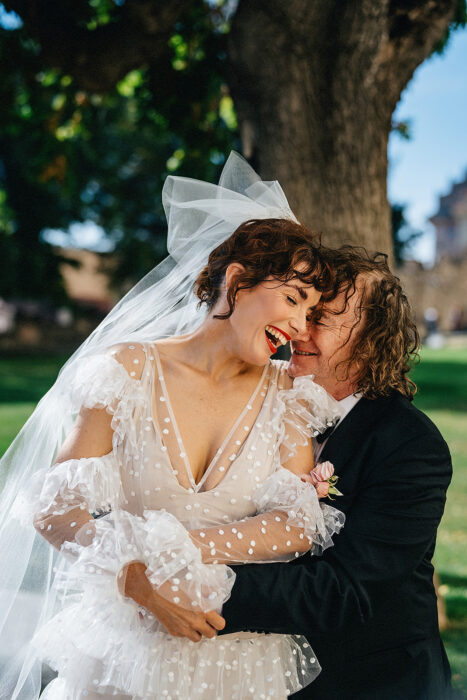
(291, 299)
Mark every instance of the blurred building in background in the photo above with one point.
(37, 327)
(450, 223)
(437, 295)
(442, 290)
(87, 278)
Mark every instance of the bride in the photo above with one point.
(183, 453)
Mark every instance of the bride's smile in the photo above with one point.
(265, 317)
(268, 316)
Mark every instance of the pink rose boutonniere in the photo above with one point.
(323, 479)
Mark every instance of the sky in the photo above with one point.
(425, 167)
(420, 169)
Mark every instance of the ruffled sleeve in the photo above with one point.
(302, 412)
(59, 503)
(286, 492)
(100, 382)
(173, 562)
(103, 382)
(60, 498)
(92, 484)
(290, 521)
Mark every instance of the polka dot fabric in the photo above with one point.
(247, 507)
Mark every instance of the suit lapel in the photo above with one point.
(350, 434)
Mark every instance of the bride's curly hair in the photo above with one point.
(266, 248)
(385, 346)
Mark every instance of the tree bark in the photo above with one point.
(315, 85)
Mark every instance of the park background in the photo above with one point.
(358, 109)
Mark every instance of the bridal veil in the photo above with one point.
(200, 217)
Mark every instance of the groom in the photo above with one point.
(368, 605)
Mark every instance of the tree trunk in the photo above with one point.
(315, 85)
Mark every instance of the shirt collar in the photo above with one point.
(346, 404)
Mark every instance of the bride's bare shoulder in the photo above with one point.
(131, 355)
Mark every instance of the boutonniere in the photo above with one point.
(324, 480)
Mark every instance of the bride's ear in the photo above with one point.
(232, 271)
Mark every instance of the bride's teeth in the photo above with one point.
(282, 340)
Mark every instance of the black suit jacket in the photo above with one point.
(368, 605)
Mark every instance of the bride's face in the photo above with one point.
(268, 316)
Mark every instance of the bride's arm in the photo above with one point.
(84, 478)
(268, 536)
(68, 512)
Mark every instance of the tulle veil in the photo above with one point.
(200, 216)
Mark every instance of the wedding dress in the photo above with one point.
(144, 500)
(104, 645)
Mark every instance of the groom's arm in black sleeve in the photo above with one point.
(390, 527)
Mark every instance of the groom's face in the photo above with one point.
(326, 344)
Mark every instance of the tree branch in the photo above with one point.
(414, 28)
(98, 59)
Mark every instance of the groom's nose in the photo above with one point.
(304, 334)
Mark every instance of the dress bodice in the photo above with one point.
(248, 454)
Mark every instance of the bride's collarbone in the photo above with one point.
(205, 412)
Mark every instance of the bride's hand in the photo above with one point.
(177, 620)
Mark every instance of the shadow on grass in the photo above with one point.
(454, 641)
(453, 581)
(442, 385)
(456, 608)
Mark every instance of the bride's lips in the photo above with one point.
(272, 347)
(285, 337)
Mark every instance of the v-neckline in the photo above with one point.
(196, 486)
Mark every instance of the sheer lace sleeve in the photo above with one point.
(290, 519)
(290, 522)
(63, 497)
(78, 505)
(302, 411)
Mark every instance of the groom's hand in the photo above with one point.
(177, 620)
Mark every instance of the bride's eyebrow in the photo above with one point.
(300, 290)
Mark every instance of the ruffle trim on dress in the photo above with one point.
(92, 483)
(105, 645)
(101, 380)
(174, 564)
(303, 411)
(285, 491)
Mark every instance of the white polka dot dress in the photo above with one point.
(245, 508)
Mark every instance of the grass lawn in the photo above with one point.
(442, 381)
(23, 381)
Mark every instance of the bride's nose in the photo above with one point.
(300, 325)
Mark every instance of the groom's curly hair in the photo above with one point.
(383, 342)
(279, 248)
